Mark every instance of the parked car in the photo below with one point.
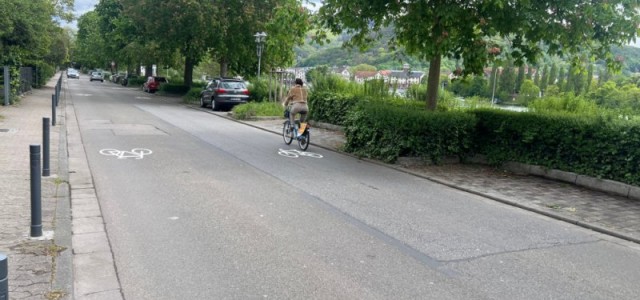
(153, 84)
(224, 93)
(96, 76)
(73, 73)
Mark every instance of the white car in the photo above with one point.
(73, 73)
(96, 76)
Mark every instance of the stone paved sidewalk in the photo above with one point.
(31, 260)
(606, 213)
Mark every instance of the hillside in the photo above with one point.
(378, 55)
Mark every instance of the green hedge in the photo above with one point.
(587, 145)
(330, 107)
(193, 95)
(174, 88)
(384, 131)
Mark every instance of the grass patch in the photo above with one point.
(258, 109)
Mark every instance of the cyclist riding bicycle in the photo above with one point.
(297, 98)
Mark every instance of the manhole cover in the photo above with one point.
(4, 130)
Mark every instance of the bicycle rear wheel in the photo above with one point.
(287, 132)
(304, 140)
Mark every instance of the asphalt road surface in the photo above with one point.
(201, 207)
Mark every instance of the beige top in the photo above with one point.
(297, 94)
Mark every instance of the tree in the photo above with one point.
(553, 75)
(184, 25)
(520, 78)
(561, 82)
(363, 67)
(286, 23)
(507, 80)
(528, 92)
(544, 79)
(459, 29)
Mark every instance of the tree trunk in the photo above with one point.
(224, 65)
(433, 82)
(148, 70)
(188, 71)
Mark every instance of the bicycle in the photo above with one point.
(290, 132)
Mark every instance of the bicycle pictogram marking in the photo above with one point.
(293, 153)
(137, 153)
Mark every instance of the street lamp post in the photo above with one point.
(260, 39)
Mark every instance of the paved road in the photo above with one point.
(215, 212)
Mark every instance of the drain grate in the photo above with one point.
(4, 130)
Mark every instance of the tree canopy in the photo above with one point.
(463, 29)
(221, 29)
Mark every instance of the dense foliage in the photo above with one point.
(589, 145)
(435, 29)
(386, 132)
(30, 37)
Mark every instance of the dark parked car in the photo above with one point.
(224, 93)
(153, 84)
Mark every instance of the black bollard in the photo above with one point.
(36, 198)
(45, 147)
(4, 277)
(53, 110)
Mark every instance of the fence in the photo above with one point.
(25, 84)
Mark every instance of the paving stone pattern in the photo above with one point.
(30, 260)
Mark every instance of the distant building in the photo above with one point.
(362, 76)
(342, 71)
(403, 78)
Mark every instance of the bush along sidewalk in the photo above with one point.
(596, 146)
(386, 132)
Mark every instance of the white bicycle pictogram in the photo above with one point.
(137, 153)
(292, 153)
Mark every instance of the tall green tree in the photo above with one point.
(553, 75)
(544, 78)
(507, 81)
(184, 25)
(432, 29)
(90, 45)
(519, 78)
(561, 82)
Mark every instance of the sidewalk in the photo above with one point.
(31, 260)
(606, 213)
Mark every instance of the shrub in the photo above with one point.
(330, 107)
(174, 88)
(257, 109)
(193, 95)
(382, 131)
(590, 145)
(136, 81)
(259, 89)
(567, 103)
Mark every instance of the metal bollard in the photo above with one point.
(4, 277)
(36, 192)
(45, 147)
(53, 110)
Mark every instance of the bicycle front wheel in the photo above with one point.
(304, 140)
(287, 132)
